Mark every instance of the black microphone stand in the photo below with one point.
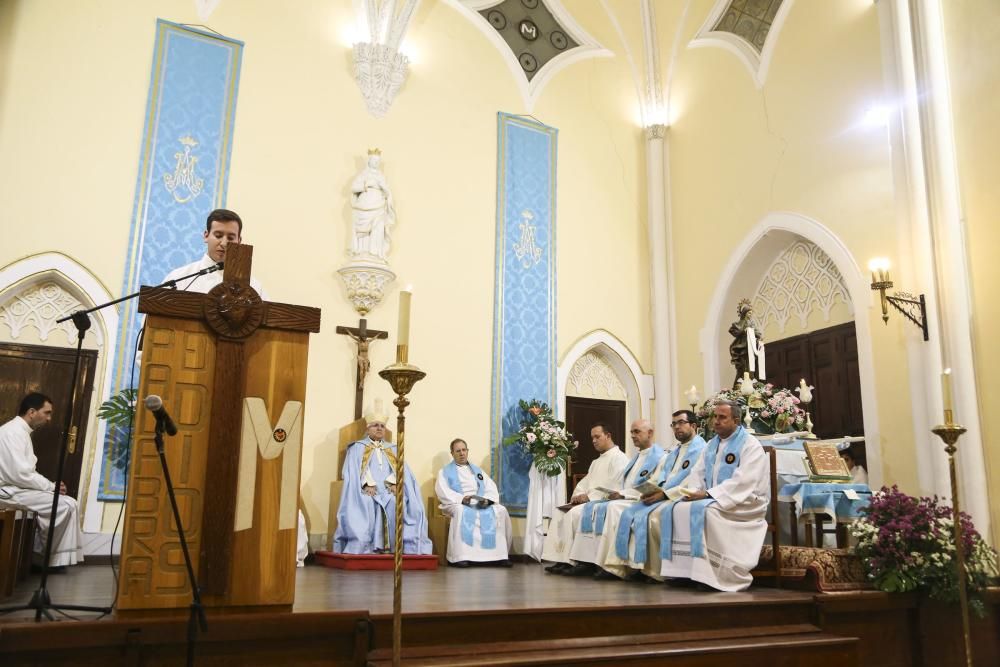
(41, 601)
(197, 617)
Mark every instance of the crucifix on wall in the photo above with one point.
(361, 335)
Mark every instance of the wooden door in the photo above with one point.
(581, 415)
(27, 368)
(828, 360)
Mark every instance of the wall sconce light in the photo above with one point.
(913, 308)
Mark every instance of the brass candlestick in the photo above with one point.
(950, 432)
(401, 376)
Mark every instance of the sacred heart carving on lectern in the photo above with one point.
(234, 310)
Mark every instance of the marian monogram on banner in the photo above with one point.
(184, 184)
(526, 249)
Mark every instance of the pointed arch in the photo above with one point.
(744, 267)
(20, 276)
(638, 385)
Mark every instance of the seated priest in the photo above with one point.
(366, 520)
(597, 524)
(605, 472)
(715, 534)
(626, 548)
(22, 486)
(480, 526)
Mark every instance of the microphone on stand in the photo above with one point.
(155, 405)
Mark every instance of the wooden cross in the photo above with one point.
(361, 335)
(234, 312)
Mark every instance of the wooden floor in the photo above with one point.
(494, 616)
(447, 589)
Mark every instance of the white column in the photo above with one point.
(659, 270)
(932, 232)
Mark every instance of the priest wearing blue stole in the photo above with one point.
(594, 525)
(480, 531)
(714, 536)
(605, 472)
(627, 549)
(366, 520)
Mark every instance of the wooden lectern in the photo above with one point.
(231, 370)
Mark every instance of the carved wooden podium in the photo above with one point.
(231, 370)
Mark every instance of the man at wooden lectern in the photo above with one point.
(222, 228)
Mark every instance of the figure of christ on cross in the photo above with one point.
(361, 335)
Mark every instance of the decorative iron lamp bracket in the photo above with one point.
(914, 308)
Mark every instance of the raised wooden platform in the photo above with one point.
(516, 616)
(374, 561)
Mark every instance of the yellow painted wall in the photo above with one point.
(738, 153)
(972, 35)
(74, 81)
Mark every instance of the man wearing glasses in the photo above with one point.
(719, 526)
(629, 544)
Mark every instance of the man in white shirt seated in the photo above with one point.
(21, 485)
(718, 529)
(480, 531)
(598, 529)
(605, 471)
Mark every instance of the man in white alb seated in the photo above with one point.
(22, 486)
(480, 531)
(626, 547)
(606, 471)
(597, 525)
(715, 534)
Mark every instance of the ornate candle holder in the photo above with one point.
(401, 376)
(950, 432)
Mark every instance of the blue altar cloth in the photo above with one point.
(827, 499)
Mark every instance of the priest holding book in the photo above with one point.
(480, 531)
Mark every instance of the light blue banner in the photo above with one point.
(524, 320)
(183, 173)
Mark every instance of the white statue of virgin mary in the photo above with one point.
(373, 211)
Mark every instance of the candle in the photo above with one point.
(946, 391)
(403, 336)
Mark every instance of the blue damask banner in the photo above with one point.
(524, 320)
(183, 173)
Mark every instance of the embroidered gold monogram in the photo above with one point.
(184, 184)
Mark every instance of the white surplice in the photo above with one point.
(451, 504)
(735, 524)
(587, 546)
(21, 485)
(205, 283)
(606, 555)
(607, 471)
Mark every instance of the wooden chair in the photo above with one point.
(438, 525)
(772, 567)
(17, 532)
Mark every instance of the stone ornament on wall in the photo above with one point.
(801, 279)
(593, 377)
(379, 68)
(39, 307)
(373, 214)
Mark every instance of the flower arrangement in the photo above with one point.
(543, 437)
(908, 544)
(772, 410)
